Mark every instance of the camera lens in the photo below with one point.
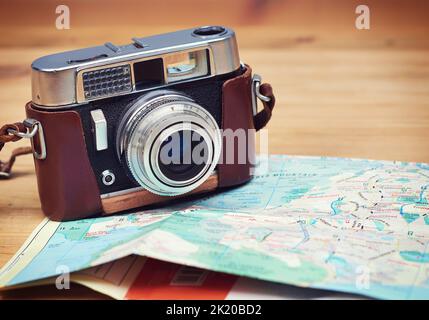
(183, 155)
(169, 144)
(209, 31)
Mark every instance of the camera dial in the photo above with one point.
(169, 143)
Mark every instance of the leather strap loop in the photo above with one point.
(263, 116)
(5, 136)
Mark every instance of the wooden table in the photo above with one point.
(340, 91)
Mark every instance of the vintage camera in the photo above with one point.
(103, 115)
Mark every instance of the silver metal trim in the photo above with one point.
(131, 190)
(80, 94)
(120, 192)
(112, 47)
(33, 126)
(24, 135)
(105, 174)
(99, 127)
(256, 83)
(55, 78)
(42, 155)
(139, 42)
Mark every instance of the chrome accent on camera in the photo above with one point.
(107, 177)
(99, 127)
(148, 123)
(132, 190)
(57, 79)
(33, 126)
(106, 82)
(256, 94)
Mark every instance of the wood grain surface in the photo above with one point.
(340, 91)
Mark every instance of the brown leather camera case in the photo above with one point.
(67, 185)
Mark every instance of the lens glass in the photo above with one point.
(183, 155)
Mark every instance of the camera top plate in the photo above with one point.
(57, 79)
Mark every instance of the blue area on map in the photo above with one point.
(288, 180)
(75, 254)
(335, 206)
(415, 256)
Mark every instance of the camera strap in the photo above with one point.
(11, 133)
(266, 95)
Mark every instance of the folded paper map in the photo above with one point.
(141, 278)
(357, 226)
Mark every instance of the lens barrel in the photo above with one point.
(169, 143)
